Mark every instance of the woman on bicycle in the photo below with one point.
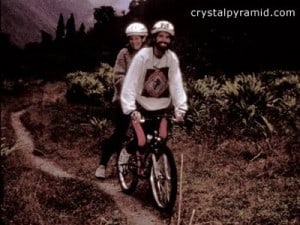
(137, 34)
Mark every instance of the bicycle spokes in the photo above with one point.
(161, 181)
(124, 169)
(127, 171)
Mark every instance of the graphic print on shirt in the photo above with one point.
(156, 83)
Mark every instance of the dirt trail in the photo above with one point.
(133, 209)
(27, 146)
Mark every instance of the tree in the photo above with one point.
(104, 14)
(60, 29)
(70, 27)
(137, 8)
(82, 29)
(46, 37)
(0, 16)
(81, 32)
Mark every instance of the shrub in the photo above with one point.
(99, 125)
(6, 150)
(286, 106)
(93, 88)
(246, 100)
(11, 86)
(204, 110)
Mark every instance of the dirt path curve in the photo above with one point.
(133, 210)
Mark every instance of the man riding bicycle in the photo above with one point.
(154, 80)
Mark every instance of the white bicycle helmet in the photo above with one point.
(163, 25)
(136, 28)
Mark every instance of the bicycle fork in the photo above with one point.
(144, 165)
(139, 159)
(157, 168)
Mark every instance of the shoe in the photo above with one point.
(124, 156)
(100, 172)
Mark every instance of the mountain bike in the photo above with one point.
(154, 161)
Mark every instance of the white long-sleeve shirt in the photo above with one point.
(153, 82)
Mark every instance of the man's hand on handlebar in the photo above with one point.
(136, 116)
(179, 117)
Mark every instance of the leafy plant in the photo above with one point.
(204, 110)
(12, 86)
(94, 88)
(246, 101)
(99, 125)
(6, 150)
(286, 105)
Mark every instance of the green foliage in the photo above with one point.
(8, 85)
(288, 88)
(203, 105)
(93, 88)
(6, 150)
(99, 125)
(246, 101)
(286, 106)
(207, 88)
(104, 14)
(12, 86)
(250, 106)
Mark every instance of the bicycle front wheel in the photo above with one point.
(163, 180)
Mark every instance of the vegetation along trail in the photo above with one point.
(133, 209)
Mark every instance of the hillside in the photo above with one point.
(24, 19)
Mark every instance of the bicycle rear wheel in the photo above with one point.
(163, 180)
(127, 171)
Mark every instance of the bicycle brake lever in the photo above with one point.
(142, 120)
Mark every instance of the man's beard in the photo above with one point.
(162, 48)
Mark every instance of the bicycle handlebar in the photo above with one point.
(169, 117)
